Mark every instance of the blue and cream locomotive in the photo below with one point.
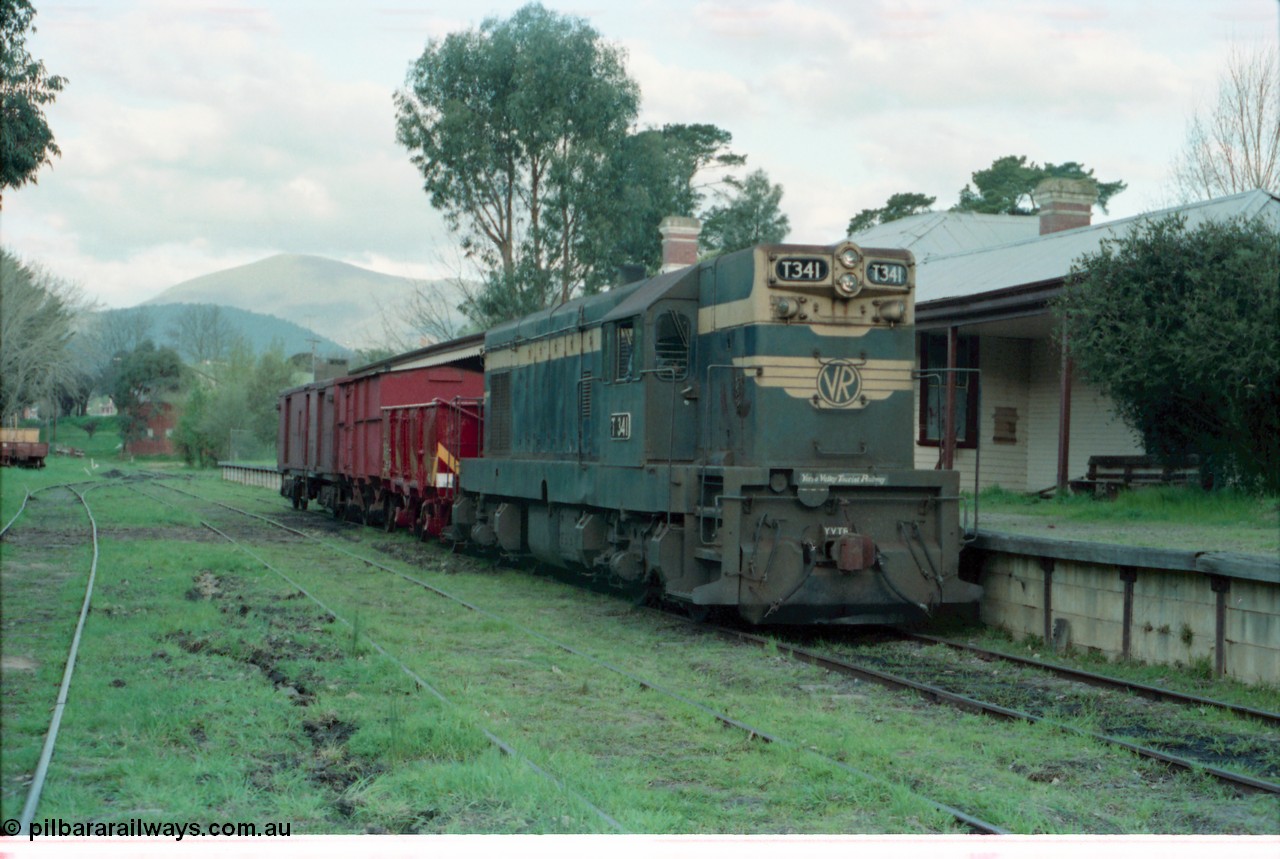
(735, 435)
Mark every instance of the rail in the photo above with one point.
(51, 737)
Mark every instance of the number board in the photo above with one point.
(887, 273)
(797, 269)
(620, 426)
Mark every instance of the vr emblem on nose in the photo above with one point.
(839, 384)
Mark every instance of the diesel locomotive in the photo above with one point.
(735, 436)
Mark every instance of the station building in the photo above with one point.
(984, 286)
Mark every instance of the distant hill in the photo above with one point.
(335, 299)
(260, 329)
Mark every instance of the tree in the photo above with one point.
(1235, 147)
(36, 329)
(26, 143)
(511, 125)
(201, 334)
(1178, 328)
(898, 206)
(750, 217)
(655, 173)
(1008, 186)
(145, 378)
(239, 396)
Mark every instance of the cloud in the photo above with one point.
(183, 133)
(196, 137)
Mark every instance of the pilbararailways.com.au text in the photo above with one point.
(138, 828)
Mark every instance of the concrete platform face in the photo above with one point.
(1159, 607)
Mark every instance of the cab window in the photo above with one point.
(671, 346)
(624, 342)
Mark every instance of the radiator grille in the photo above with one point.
(499, 418)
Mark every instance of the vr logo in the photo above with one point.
(839, 384)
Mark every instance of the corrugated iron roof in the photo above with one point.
(1048, 258)
(939, 233)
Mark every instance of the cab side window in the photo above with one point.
(672, 345)
(625, 348)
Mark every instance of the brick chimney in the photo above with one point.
(679, 242)
(1065, 204)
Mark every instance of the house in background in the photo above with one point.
(983, 287)
(161, 417)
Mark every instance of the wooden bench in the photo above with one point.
(1107, 475)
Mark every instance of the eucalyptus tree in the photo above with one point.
(512, 125)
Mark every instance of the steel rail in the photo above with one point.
(974, 705)
(25, 498)
(503, 746)
(973, 823)
(1154, 693)
(51, 737)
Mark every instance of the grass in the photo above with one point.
(197, 661)
(1168, 516)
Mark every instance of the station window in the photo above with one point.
(933, 390)
(672, 345)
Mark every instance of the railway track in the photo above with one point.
(939, 694)
(26, 496)
(964, 819)
(34, 793)
(505, 747)
(1144, 690)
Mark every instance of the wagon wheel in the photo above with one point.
(295, 495)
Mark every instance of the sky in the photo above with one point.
(197, 136)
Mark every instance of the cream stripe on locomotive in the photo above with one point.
(545, 349)
(835, 384)
(831, 319)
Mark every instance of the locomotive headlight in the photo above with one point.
(893, 311)
(848, 285)
(849, 257)
(785, 308)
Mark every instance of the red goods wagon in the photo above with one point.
(305, 440)
(333, 439)
(423, 444)
(361, 402)
(359, 428)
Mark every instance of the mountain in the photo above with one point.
(335, 299)
(259, 329)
